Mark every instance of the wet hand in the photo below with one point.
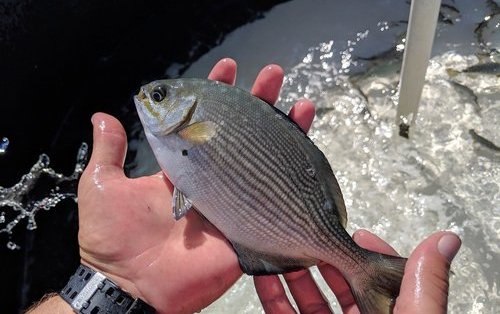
(424, 288)
(127, 230)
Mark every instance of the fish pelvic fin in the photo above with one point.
(377, 290)
(180, 204)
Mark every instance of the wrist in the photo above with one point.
(50, 304)
(90, 291)
(125, 284)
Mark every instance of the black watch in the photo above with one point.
(88, 291)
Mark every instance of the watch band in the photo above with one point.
(88, 291)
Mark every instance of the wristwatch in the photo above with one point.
(89, 291)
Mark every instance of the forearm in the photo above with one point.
(51, 303)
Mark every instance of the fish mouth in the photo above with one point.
(142, 97)
(141, 100)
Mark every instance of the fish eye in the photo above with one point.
(158, 93)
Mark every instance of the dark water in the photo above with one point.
(61, 61)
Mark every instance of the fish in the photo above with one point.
(488, 68)
(492, 68)
(467, 92)
(257, 177)
(483, 141)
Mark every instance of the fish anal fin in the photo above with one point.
(180, 204)
(257, 263)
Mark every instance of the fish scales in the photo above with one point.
(262, 182)
(254, 182)
(281, 144)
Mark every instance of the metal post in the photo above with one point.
(419, 38)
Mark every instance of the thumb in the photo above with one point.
(425, 283)
(109, 145)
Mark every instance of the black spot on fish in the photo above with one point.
(184, 152)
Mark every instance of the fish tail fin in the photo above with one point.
(377, 289)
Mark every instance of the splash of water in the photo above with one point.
(4, 143)
(18, 201)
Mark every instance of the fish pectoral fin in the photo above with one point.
(198, 132)
(257, 263)
(180, 204)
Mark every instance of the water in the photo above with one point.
(402, 190)
(21, 202)
(4, 144)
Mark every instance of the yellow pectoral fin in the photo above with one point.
(198, 132)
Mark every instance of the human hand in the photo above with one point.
(127, 230)
(424, 288)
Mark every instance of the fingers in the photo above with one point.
(425, 283)
(371, 242)
(267, 85)
(224, 71)
(109, 144)
(303, 114)
(339, 287)
(306, 293)
(272, 295)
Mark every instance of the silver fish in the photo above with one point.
(255, 175)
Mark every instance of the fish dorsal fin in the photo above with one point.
(331, 188)
(257, 263)
(180, 204)
(339, 202)
(198, 132)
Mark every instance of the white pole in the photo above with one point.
(419, 38)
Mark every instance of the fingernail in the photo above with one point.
(448, 245)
